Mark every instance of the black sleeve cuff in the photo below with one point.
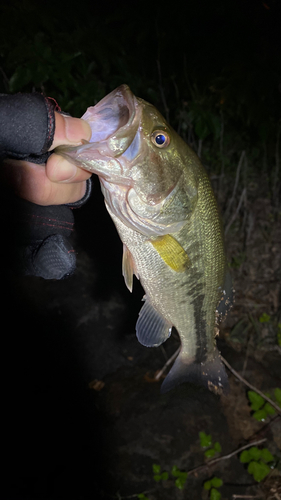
(27, 126)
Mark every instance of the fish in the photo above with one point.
(160, 199)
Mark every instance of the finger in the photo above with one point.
(70, 130)
(29, 181)
(58, 169)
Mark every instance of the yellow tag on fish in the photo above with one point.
(171, 252)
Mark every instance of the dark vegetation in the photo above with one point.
(214, 70)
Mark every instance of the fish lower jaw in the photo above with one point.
(109, 181)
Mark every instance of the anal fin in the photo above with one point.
(152, 328)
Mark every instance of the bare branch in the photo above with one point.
(272, 403)
(161, 88)
(243, 195)
(170, 360)
(247, 496)
(225, 457)
(229, 205)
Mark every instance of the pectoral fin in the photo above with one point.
(128, 268)
(152, 328)
(171, 252)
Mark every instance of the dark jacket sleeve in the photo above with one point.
(37, 239)
(27, 126)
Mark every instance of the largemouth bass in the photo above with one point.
(160, 199)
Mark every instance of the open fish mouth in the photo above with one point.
(114, 122)
(114, 113)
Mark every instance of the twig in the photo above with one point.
(199, 151)
(247, 496)
(247, 354)
(243, 195)
(226, 457)
(221, 153)
(135, 495)
(228, 208)
(161, 88)
(170, 360)
(5, 79)
(272, 403)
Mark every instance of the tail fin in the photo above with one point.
(210, 374)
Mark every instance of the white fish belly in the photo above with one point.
(167, 289)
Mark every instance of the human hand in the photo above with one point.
(37, 216)
(57, 183)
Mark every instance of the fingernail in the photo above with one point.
(76, 129)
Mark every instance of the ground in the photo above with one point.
(83, 418)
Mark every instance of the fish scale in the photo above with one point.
(161, 201)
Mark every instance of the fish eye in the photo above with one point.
(160, 138)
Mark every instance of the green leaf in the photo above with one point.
(264, 318)
(254, 453)
(216, 482)
(156, 468)
(245, 457)
(252, 467)
(215, 494)
(164, 476)
(207, 485)
(260, 415)
(217, 447)
(256, 400)
(269, 409)
(175, 471)
(205, 439)
(210, 453)
(181, 480)
(157, 478)
(266, 455)
(259, 470)
(277, 394)
(141, 496)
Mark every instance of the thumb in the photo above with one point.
(69, 130)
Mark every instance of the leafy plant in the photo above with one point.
(260, 407)
(257, 460)
(264, 318)
(181, 477)
(158, 476)
(212, 485)
(206, 442)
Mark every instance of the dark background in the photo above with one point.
(213, 69)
